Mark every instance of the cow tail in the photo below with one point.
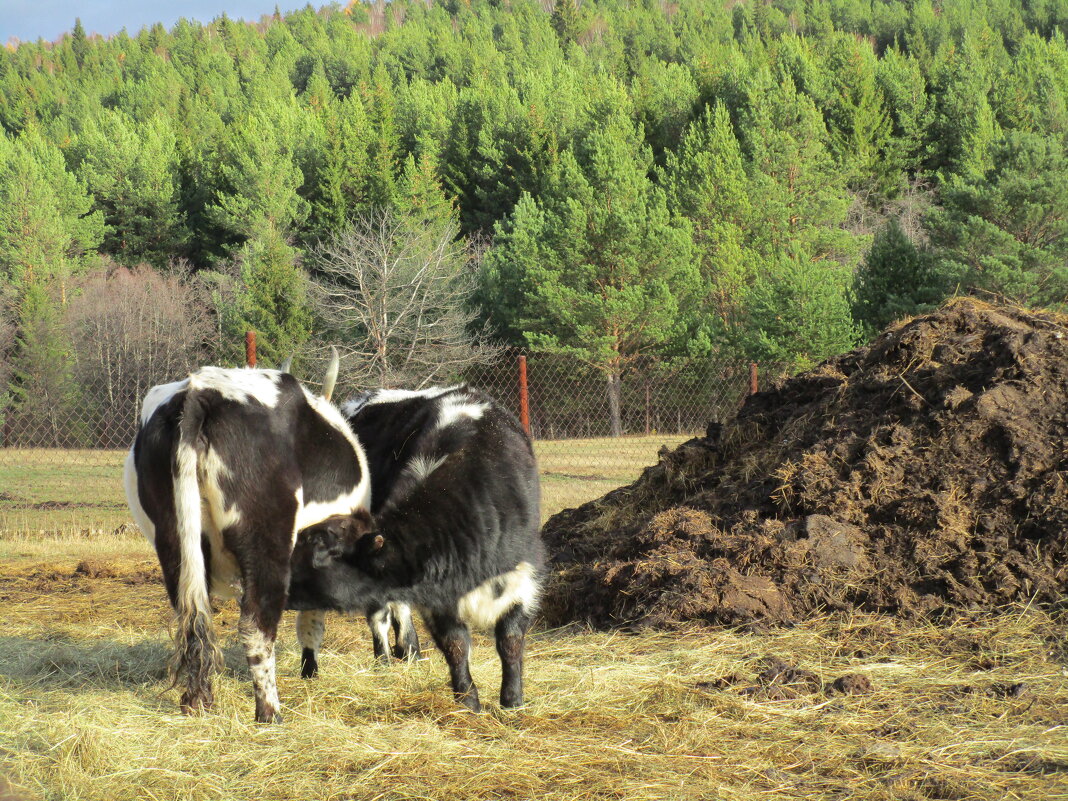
(196, 652)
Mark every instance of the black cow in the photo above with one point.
(457, 537)
(227, 466)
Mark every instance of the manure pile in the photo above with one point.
(922, 474)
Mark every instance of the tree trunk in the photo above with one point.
(615, 386)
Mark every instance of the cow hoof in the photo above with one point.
(268, 716)
(309, 665)
(472, 704)
(193, 703)
(511, 703)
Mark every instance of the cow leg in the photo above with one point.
(378, 619)
(453, 638)
(261, 609)
(310, 627)
(406, 640)
(511, 632)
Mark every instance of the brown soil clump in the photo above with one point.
(922, 474)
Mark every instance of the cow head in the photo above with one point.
(341, 538)
(326, 569)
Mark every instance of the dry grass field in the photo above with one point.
(976, 708)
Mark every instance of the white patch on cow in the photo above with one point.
(260, 654)
(133, 500)
(217, 515)
(159, 395)
(454, 408)
(360, 495)
(311, 625)
(393, 396)
(344, 504)
(239, 384)
(422, 466)
(486, 603)
(296, 519)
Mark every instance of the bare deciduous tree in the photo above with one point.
(129, 330)
(396, 296)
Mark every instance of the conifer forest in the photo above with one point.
(626, 182)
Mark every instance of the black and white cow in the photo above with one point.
(456, 538)
(227, 466)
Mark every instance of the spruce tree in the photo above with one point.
(271, 298)
(797, 313)
(895, 280)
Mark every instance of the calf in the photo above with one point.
(457, 537)
(227, 466)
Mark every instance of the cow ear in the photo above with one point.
(362, 522)
(368, 547)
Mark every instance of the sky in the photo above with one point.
(29, 20)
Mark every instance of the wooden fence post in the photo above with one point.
(250, 348)
(524, 400)
(754, 384)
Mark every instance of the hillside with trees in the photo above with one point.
(631, 184)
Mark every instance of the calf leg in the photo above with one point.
(378, 619)
(406, 640)
(511, 632)
(310, 627)
(453, 638)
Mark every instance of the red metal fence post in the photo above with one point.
(250, 348)
(524, 401)
(754, 384)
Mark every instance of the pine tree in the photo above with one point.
(131, 170)
(567, 20)
(860, 123)
(78, 42)
(708, 184)
(261, 176)
(340, 189)
(383, 150)
(963, 127)
(46, 222)
(597, 268)
(1006, 231)
(796, 188)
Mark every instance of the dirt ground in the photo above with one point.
(917, 476)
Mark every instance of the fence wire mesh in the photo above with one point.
(62, 446)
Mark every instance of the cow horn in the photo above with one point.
(331, 373)
(286, 366)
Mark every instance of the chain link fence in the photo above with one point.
(62, 446)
